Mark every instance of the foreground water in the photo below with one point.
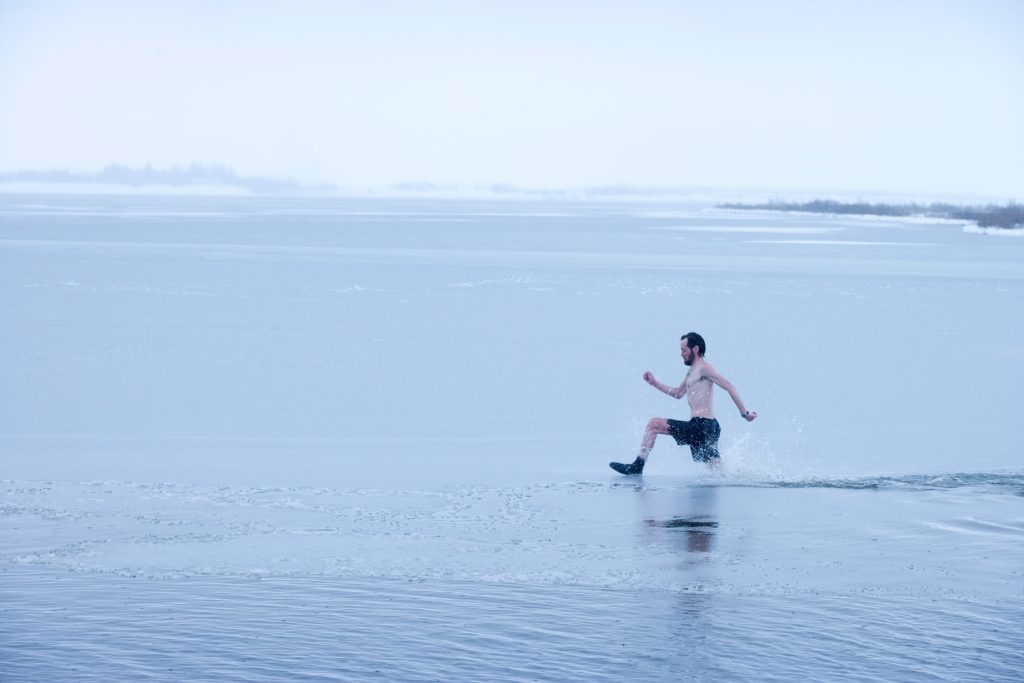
(283, 440)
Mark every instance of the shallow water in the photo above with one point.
(895, 578)
(348, 440)
(314, 628)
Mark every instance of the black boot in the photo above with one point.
(635, 467)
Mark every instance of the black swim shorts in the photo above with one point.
(700, 434)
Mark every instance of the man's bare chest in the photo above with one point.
(695, 381)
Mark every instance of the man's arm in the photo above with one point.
(674, 392)
(712, 374)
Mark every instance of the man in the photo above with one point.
(701, 431)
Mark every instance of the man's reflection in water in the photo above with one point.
(682, 529)
(698, 524)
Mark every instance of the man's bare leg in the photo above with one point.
(655, 426)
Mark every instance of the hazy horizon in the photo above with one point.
(918, 98)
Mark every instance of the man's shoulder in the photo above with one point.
(706, 369)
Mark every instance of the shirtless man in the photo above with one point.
(701, 431)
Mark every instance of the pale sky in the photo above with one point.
(924, 97)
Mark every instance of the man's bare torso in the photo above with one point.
(698, 391)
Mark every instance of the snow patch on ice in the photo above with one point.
(972, 229)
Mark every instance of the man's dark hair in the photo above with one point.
(694, 339)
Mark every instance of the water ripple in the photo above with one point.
(89, 627)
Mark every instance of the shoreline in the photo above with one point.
(1008, 217)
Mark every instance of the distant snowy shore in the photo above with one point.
(989, 219)
(1002, 232)
(114, 189)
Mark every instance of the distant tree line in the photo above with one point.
(193, 174)
(1010, 215)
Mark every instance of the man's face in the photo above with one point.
(687, 353)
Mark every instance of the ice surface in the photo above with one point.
(255, 402)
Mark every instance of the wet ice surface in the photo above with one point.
(268, 439)
(658, 533)
(577, 580)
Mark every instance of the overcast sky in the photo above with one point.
(923, 97)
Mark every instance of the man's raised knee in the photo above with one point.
(657, 424)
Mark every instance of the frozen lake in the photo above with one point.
(268, 439)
